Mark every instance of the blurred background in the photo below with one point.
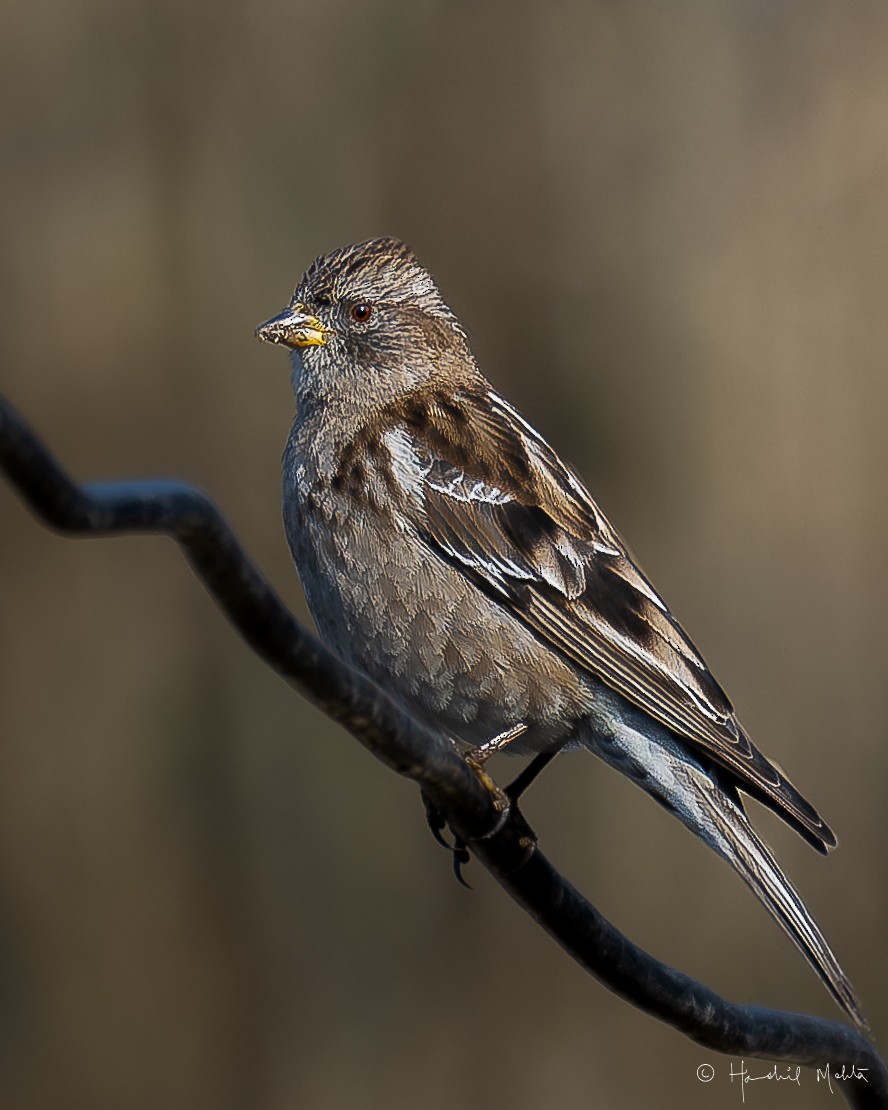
(664, 226)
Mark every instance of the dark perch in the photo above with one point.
(474, 809)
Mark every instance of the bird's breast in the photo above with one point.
(392, 606)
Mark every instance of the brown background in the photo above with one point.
(664, 225)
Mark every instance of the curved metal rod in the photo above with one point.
(476, 810)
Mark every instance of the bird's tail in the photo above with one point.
(733, 837)
(711, 809)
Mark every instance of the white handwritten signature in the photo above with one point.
(782, 1073)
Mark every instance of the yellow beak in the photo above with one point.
(294, 327)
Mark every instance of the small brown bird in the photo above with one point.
(447, 551)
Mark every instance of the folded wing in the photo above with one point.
(502, 508)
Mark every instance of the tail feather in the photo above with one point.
(738, 843)
(655, 760)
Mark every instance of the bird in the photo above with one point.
(446, 551)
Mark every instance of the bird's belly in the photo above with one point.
(450, 655)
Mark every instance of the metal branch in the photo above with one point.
(474, 808)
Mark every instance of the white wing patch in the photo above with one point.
(465, 489)
(409, 469)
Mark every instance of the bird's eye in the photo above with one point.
(361, 312)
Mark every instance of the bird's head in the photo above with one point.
(367, 322)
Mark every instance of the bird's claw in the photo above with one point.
(458, 849)
(434, 819)
(461, 857)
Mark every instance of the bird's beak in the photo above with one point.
(294, 327)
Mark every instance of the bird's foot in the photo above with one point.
(505, 801)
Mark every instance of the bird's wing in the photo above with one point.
(496, 501)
